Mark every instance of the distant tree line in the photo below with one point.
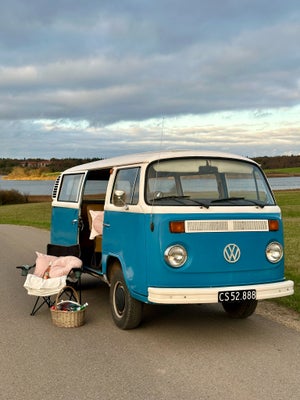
(7, 165)
(278, 162)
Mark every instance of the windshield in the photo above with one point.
(206, 182)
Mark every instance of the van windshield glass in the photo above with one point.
(206, 182)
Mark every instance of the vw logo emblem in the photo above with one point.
(232, 253)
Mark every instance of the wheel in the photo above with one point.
(240, 309)
(126, 311)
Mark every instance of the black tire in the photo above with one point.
(126, 311)
(240, 309)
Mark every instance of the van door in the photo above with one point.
(124, 229)
(65, 219)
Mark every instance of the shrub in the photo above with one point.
(11, 197)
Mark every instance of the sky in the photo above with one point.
(97, 78)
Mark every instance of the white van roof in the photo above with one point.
(141, 158)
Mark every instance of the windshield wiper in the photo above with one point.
(257, 203)
(200, 203)
(223, 199)
(230, 199)
(173, 197)
(180, 199)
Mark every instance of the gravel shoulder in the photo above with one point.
(279, 314)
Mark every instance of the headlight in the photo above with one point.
(175, 256)
(274, 252)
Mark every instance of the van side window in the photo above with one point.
(96, 184)
(127, 180)
(70, 188)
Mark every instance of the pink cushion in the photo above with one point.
(97, 223)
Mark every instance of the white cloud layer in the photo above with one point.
(95, 79)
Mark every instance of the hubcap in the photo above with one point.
(119, 299)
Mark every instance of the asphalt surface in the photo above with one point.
(185, 352)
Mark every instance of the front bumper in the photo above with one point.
(210, 295)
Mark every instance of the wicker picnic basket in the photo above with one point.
(67, 319)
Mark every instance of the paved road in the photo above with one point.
(191, 353)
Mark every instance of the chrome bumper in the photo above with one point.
(210, 295)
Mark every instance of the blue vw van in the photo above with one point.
(175, 227)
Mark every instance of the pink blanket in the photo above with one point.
(52, 266)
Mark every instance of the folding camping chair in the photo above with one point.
(43, 287)
(63, 251)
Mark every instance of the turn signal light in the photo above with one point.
(176, 227)
(273, 225)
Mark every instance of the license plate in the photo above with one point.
(236, 295)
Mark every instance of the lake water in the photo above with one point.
(45, 187)
(28, 187)
(285, 183)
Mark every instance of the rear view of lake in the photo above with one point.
(28, 187)
(45, 187)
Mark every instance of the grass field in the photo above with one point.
(289, 202)
(283, 171)
(38, 215)
(28, 214)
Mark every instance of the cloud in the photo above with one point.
(100, 64)
(246, 133)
